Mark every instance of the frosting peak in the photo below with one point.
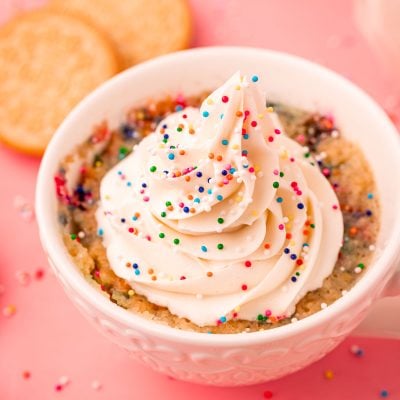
(219, 215)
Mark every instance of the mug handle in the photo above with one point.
(382, 320)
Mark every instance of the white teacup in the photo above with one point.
(244, 358)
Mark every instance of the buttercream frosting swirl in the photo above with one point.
(219, 215)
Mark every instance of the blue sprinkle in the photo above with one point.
(370, 196)
(300, 206)
(245, 136)
(128, 183)
(135, 266)
(196, 200)
(209, 191)
(178, 108)
(171, 156)
(119, 172)
(306, 245)
(100, 231)
(293, 256)
(134, 218)
(199, 174)
(221, 116)
(137, 272)
(206, 114)
(232, 170)
(204, 249)
(166, 136)
(144, 185)
(201, 189)
(384, 393)
(286, 251)
(368, 212)
(293, 279)
(223, 319)
(224, 172)
(225, 142)
(186, 209)
(244, 152)
(279, 199)
(254, 78)
(165, 126)
(220, 197)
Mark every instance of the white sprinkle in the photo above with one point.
(323, 306)
(294, 319)
(371, 247)
(96, 385)
(23, 278)
(335, 134)
(81, 235)
(344, 292)
(357, 270)
(342, 269)
(63, 380)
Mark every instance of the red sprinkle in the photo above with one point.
(244, 287)
(247, 263)
(39, 273)
(225, 99)
(268, 394)
(253, 124)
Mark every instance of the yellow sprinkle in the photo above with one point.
(237, 87)
(210, 101)
(9, 310)
(107, 197)
(292, 243)
(261, 116)
(328, 374)
(270, 109)
(254, 213)
(257, 168)
(235, 146)
(238, 199)
(131, 292)
(236, 309)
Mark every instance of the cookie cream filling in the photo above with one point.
(218, 215)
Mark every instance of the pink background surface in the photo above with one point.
(50, 339)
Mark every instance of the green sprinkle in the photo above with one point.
(297, 273)
(220, 220)
(220, 246)
(361, 265)
(179, 129)
(73, 236)
(163, 214)
(176, 241)
(161, 235)
(306, 155)
(168, 203)
(312, 226)
(122, 153)
(275, 185)
(153, 168)
(281, 174)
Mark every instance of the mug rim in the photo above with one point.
(56, 250)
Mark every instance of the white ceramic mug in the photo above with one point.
(243, 358)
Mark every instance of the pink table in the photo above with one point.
(48, 339)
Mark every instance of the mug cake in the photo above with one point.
(219, 213)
